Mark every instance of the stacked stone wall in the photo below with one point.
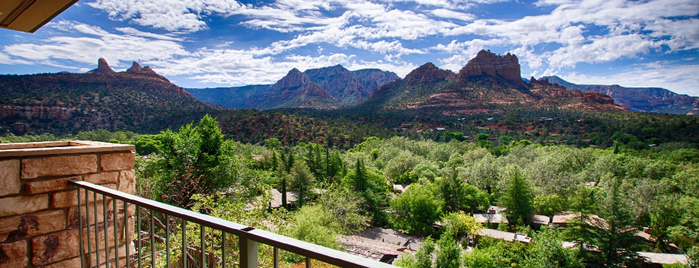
(39, 219)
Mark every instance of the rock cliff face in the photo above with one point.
(102, 67)
(487, 63)
(136, 69)
(38, 112)
(295, 90)
(374, 78)
(339, 83)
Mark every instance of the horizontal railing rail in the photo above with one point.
(248, 237)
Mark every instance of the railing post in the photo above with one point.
(248, 252)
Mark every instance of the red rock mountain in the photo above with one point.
(295, 90)
(487, 63)
(487, 84)
(322, 88)
(102, 67)
(648, 99)
(427, 73)
(137, 99)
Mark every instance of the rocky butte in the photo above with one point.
(487, 63)
(102, 67)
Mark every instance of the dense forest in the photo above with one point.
(615, 184)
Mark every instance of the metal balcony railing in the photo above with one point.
(153, 246)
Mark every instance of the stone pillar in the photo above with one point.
(39, 221)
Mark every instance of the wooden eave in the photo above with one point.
(30, 15)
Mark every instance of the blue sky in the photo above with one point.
(214, 43)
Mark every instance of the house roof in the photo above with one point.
(496, 209)
(540, 219)
(370, 248)
(392, 237)
(507, 236)
(291, 196)
(30, 15)
(400, 187)
(563, 217)
(491, 218)
(663, 258)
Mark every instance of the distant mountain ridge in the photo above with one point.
(489, 83)
(323, 88)
(640, 99)
(136, 99)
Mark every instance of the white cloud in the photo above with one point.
(6, 59)
(98, 43)
(171, 15)
(449, 14)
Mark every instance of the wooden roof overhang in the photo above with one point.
(30, 15)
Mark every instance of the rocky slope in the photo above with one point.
(656, 100)
(323, 88)
(487, 84)
(138, 99)
(295, 90)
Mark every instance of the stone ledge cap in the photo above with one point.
(60, 148)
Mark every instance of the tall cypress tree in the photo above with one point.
(518, 198)
(583, 229)
(617, 239)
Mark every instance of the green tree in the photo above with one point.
(449, 253)
(547, 251)
(549, 204)
(518, 198)
(580, 230)
(421, 259)
(617, 240)
(459, 195)
(316, 225)
(371, 187)
(416, 210)
(460, 224)
(346, 208)
(301, 180)
(191, 162)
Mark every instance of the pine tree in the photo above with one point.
(518, 198)
(580, 229)
(303, 179)
(617, 236)
(452, 192)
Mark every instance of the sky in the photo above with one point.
(222, 43)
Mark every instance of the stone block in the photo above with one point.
(29, 225)
(23, 204)
(59, 166)
(55, 247)
(72, 263)
(102, 178)
(9, 177)
(99, 234)
(69, 198)
(127, 181)
(118, 161)
(37, 187)
(73, 215)
(121, 253)
(13, 254)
